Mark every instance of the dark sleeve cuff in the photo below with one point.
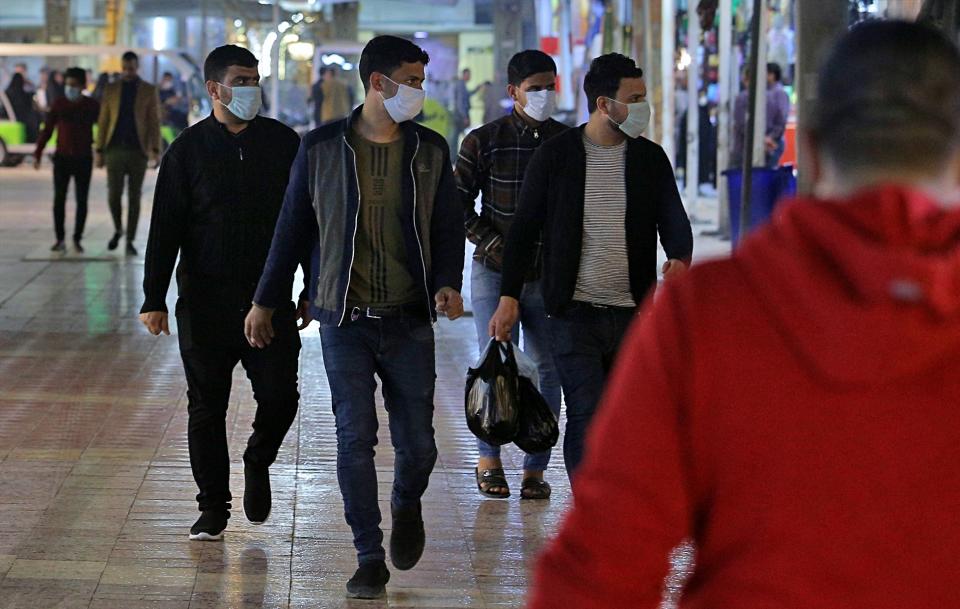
(151, 305)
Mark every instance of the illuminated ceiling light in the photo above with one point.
(347, 66)
(265, 54)
(301, 51)
(237, 23)
(283, 27)
(298, 18)
(420, 35)
(332, 59)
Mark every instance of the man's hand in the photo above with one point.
(36, 162)
(258, 326)
(99, 160)
(303, 314)
(504, 318)
(673, 268)
(154, 159)
(769, 143)
(156, 322)
(449, 303)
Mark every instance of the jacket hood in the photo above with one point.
(865, 289)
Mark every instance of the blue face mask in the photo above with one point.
(245, 101)
(72, 93)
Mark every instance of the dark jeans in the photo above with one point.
(64, 168)
(211, 345)
(585, 341)
(401, 352)
(129, 163)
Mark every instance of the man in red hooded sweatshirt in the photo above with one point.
(794, 410)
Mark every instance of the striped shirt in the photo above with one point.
(604, 275)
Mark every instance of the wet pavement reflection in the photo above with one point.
(97, 495)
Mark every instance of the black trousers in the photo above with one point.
(64, 168)
(211, 345)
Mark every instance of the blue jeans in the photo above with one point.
(401, 352)
(485, 295)
(585, 341)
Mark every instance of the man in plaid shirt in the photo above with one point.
(492, 161)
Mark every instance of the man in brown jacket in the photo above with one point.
(128, 135)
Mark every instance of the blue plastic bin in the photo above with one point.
(769, 186)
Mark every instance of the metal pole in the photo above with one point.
(568, 100)
(817, 27)
(693, 109)
(747, 185)
(760, 109)
(275, 63)
(723, 117)
(667, 51)
(647, 61)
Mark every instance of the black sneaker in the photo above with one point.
(131, 251)
(59, 246)
(256, 493)
(114, 241)
(370, 581)
(77, 246)
(408, 537)
(210, 525)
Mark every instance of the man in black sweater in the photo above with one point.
(217, 199)
(599, 195)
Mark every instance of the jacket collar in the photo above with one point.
(407, 128)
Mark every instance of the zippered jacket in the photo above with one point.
(216, 202)
(322, 205)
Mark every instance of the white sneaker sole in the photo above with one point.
(206, 537)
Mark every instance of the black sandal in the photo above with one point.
(535, 489)
(492, 478)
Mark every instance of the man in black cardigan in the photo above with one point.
(599, 195)
(217, 199)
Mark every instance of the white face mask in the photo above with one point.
(638, 118)
(244, 103)
(406, 104)
(72, 93)
(540, 105)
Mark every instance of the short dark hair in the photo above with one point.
(888, 95)
(130, 56)
(166, 74)
(603, 78)
(384, 54)
(774, 68)
(78, 73)
(221, 58)
(525, 64)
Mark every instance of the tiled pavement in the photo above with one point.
(96, 495)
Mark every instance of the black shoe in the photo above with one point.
(408, 537)
(59, 246)
(77, 246)
(370, 581)
(114, 241)
(210, 525)
(131, 251)
(256, 493)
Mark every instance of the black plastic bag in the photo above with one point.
(539, 430)
(492, 394)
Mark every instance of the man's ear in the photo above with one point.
(376, 82)
(512, 92)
